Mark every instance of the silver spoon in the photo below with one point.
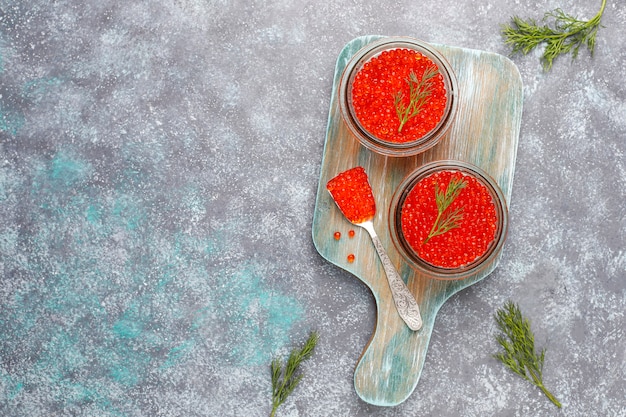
(353, 195)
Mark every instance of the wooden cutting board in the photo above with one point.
(485, 133)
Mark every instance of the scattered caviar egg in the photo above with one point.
(337, 235)
(474, 228)
(351, 258)
(351, 233)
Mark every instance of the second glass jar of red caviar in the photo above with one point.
(448, 219)
(397, 96)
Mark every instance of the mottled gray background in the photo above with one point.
(158, 168)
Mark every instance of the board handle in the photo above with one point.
(390, 367)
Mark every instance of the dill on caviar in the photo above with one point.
(518, 342)
(419, 92)
(447, 221)
(567, 35)
(285, 378)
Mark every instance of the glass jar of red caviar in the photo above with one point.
(479, 229)
(389, 103)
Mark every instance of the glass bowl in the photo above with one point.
(390, 60)
(469, 244)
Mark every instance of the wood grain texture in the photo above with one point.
(485, 133)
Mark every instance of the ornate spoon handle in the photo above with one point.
(405, 302)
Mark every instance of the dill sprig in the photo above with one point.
(518, 342)
(567, 35)
(419, 92)
(285, 378)
(447, 221)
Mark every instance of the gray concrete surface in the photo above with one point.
(158, 168)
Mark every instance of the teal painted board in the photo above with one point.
(485, 133)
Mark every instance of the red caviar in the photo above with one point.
(351, 258)
(376, 86)
(352, 193)
(458, 246)
(351, 233)
(337, 235)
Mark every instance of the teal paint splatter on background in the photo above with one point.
(38, 88)
(125, 270)
(257, 319)
(106, 299)
(11, 121)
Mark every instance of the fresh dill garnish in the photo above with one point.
(447, 221)
(286, 377)
(518, 342)
(567, 34)
(419, 92)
